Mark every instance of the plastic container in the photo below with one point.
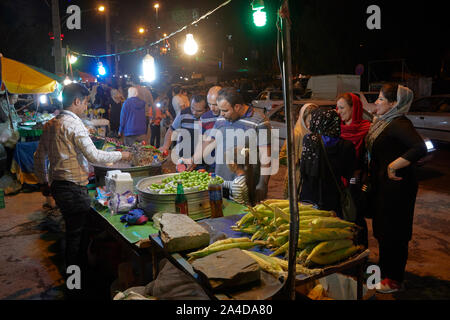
(121, 182)
(108, 178)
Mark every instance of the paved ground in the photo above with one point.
(30, 241)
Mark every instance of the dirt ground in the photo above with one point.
(31, 246)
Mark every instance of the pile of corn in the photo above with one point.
(323, 238)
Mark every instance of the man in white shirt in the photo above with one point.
(66, 142)
(178, 102)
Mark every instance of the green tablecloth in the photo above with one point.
(141, 232)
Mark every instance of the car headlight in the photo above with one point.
(429, 144)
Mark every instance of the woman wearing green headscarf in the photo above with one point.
(393, 146)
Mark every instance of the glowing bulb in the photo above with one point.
(72, 59)
(141, 30)
(156, 6)
(101, 69)
(148, 67)
(43, 99)
(260, 18)
(190, 46)
(101, 8)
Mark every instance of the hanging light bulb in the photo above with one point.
(73, 59)
(190, 46)
(148, 67)
(101, 69)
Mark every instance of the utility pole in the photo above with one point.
(57, 51)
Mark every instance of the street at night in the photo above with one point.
(242, 151)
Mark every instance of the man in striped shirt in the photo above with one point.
(66, 143)
(188, 119)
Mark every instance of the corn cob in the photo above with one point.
(266, 265)
(257, 234)
(324, 234)
(329, 222)
(314, 212)
(208, 251)
(281, 240)
(335, 256)
(249, 216)
(281, 250)
(228, 240)
(327, 247)
(250, 229)
(298, 267)
(306, 251)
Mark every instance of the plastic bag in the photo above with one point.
(122, 203)
(8, 137)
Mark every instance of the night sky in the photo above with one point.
(327, 36)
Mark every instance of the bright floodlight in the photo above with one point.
(141, 30)
(101, 8)
(190, 46)
(148, 67)
(156, 6)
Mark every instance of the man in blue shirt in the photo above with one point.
(239, 125)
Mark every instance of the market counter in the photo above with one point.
(137, 234)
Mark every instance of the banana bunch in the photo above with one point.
(324, 239)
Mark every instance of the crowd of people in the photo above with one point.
(335, 150)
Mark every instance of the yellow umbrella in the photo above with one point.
(19, 78)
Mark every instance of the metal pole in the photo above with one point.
(57, 38)
(290, 122)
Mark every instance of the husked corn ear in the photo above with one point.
(329, 246)
(228, 240)
(329, 222)
(306, 251)
(324, 234)
(336, 256)
(281, 250)
(266, 265)
(315, 212)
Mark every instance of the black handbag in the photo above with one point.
(348, 206)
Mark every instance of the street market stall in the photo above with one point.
(19, 78)
(326, 248)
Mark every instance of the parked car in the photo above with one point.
(268, 99)
(431, 117)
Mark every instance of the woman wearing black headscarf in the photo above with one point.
(318, 185)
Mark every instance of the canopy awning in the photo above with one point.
(19, 78)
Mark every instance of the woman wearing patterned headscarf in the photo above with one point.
(393, 146)
(318, 185)
(300, 130)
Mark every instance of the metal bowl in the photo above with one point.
(198, 201)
